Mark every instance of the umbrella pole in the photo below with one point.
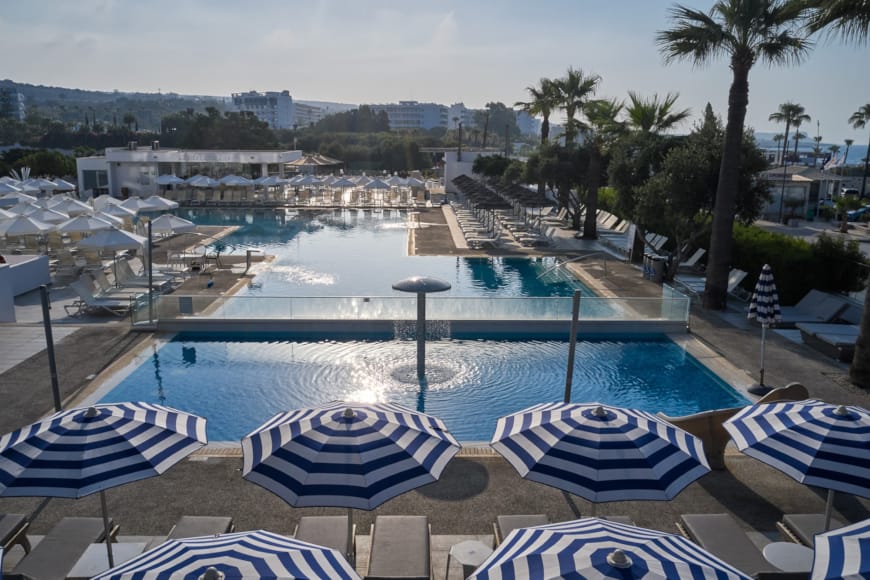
(350, 551)
(108, 529)
(572, 345)
(829, 507)
(763, 337)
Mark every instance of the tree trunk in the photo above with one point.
(545, 135)
(590, 224)
(864, 179)
(721, 238)
(859, 372)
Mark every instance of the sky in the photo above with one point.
(377, 51)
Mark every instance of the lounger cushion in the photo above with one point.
(11, 526)
(721, 535)
(329, 531)
(400, 548)
(806, 526)
(61, 548)
(509, 523)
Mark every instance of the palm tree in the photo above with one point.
(653, 116)
(545, 98)
(848, 143)
(601, 130)
(798, 135)
(574, 91)
(745, 31)
(859, 120)
(848, 19)
(817, 148)
(790, 114)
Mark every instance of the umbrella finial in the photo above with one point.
(618, 559)
(599, 412)
(212, 573)
(91, 412)
(841, 411)
(349, 413)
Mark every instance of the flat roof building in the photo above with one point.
(276, 109)
(413, 115)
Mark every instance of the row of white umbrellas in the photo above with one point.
(358, 456)
(298, 181)
(11, 185)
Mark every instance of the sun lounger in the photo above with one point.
(329, 531)
(195, 526)
(834, 340)
(802, 528)
(61, 548)
(13, 528)
(722, 536)
(695, 285)
(87, 302)
(506, 524)
(816, 306)
(400, 548)
(692, 261)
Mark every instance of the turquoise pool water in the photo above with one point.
(238, 382)
(362, 253)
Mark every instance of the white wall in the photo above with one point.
(455, 168)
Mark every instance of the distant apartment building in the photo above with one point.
(459, 113)
(276, 109)
(12, 105)
(307, 115)
(413, 115)
(527, 124)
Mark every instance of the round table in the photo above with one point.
(789, 557)
(470, 554)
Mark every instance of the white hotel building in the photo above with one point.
(133, 170)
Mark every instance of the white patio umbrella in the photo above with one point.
(202, 181)
(813, 442)
(256, 554)
(600, 453)
(119, 211)
(24, 208)
(268, 181)
(169, 179)
(78, 452)
(170, 224)
(24, 226)
(593, 548)
(83, 224)
(112, 219)
(7, 215)
(8, 188)
(376, 184)
(764, 307)
(414, 182)
(70, 206)
(158, 203)
(135, 203)
(114, 239)
(349, 455)
(49, 216)
(64, 185)
(843, 553)
(236, 181)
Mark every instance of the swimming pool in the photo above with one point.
(239, 381)
(362, 253)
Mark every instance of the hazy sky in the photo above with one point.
(372, 51)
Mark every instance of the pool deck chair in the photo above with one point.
(329, 531)
(722, 536)
(87, 302)
(816, 306)
(692, 261)
(834, 340)
(400, 548)
(802, 528)
(504, 525)
(13, 532)
(195, 526)
(61, 548)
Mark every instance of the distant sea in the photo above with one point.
(857, 153)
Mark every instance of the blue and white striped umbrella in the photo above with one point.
(764, 307)
(843, 553)
(255, 554)
(78, 452)
(813, 442)
(593, 548)
(600, 453)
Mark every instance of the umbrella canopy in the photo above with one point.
(764, 305)
(24, 208)
(376, 184)
(84, 224)
(169, 179)
(202, 181)
(236, 181)
(24, 226)
(157, 203)
(593, 548)
(7, 215)
(64, 185)
(49, 216)
(413, 182)
(843, 553)
(70, 206)
(254, 554)
(119, 211)
(112, 219)
(308, 180)
(343, 182)
(135, 203)
(170, 224)
(347, 454)
(268, 181)
(600, 453)
(113, 239)
(811, 441)
(8, 188)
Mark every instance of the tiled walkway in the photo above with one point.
(19, 342)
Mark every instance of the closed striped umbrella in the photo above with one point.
(256, 555)
(764, 307)
(600, 453)
(78, 452)
(811, 441)
(843, 553)
(593, 548)
(349, 455)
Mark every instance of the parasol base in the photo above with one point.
(759, 389)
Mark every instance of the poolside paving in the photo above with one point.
(475, 488)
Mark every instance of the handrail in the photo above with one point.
(577, 259)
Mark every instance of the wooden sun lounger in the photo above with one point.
(61, 548)
(400, 548)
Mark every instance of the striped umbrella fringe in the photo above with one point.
(347, 454)
(593, 548)
(253, 554)
(843, 553)
(764, 304)
(813, 442)
(78, 452)
(600, 453)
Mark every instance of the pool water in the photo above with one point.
(238, 382)
(362, 253)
